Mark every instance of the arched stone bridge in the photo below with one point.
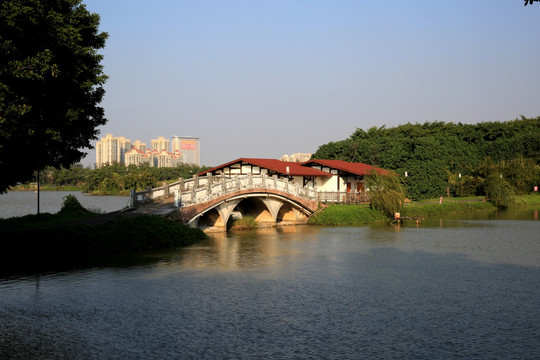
(210, 202)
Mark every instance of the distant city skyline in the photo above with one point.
(267, 78)
(112, 149)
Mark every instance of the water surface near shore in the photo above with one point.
(18, 203)
(460, 287)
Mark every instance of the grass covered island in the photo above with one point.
(76, 235)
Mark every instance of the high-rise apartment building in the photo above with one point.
(161, 144)
(189, 147)
(111, 150)
(297, 157)
(137, 144)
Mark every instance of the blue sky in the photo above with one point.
(263, 78)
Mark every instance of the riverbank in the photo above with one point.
(33, 187)
(73, 236)
(339, 215)
(335, 215)
(69, 188)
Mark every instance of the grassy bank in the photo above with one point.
(31, 242)
(446, 208)
(109, 193)
(33, 245)
(452, 206)
(26, 187)
(526, 200)
(31, 187)
(335, 215)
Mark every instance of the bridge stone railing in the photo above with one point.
(206, 188)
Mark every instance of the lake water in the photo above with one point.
(17, 203)
(464, 287)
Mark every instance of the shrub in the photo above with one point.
(72, 206)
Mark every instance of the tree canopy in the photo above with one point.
(432, 157)
(51, 83)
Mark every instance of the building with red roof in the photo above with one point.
(347, 176)
(282, 169)
(323, 175)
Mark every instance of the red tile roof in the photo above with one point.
(353, 168)
(295, 169)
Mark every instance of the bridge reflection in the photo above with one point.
(251, 249)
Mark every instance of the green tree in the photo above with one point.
(51, 83)
(498, 190)
(428, 152)
(386, 193)
(523, 174)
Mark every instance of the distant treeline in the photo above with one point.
(114, 179)
(437, 158)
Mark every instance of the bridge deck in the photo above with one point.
(162, 207)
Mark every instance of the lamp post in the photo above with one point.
(37, 194)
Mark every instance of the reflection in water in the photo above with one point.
(468, 289)
(242, 250)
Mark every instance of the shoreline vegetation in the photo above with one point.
(343, 215)
(42, 188)
(75, 235)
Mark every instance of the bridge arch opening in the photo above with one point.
(255, 208)
(288, 214)
(211, 218)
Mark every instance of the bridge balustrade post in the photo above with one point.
(177, 198)
(250, 180)
(196, 181)
(132, 198)
(209, 179)
(181, 185)
(275, 181)
(237, 182)
(263, 176)
(149, 193)
(287, 184)
(165, 189)
(209, 186)
(223, 183)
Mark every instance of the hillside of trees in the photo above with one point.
(437, 158)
